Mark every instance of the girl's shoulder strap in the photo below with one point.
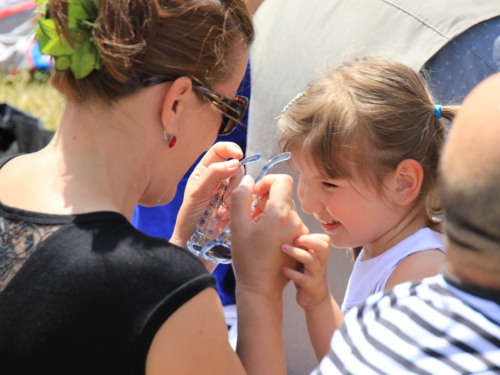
(6, 159)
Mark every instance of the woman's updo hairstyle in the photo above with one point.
(138, 39)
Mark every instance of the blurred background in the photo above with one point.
(24, 82)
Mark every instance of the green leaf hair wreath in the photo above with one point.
(80, 54)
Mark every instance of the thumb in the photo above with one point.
(241, 203)
(206, 182)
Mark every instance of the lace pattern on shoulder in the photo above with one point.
(18, 240)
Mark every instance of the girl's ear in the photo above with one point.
(407, 181)
(175, 104)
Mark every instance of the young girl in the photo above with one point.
(365, 140)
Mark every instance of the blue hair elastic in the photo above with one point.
(437, 107)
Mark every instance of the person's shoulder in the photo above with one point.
(422, 255)
(402, 294)
(425, 238)
(154, 253)
(113, 241)
(417, 266)
(115, 254)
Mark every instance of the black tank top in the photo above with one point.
(85, 294)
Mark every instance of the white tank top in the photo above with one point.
(370, 276)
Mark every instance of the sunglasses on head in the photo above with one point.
(232, 110)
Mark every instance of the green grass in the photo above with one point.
(33, 93)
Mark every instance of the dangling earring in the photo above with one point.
(170, 139)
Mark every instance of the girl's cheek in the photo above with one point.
(300, 190)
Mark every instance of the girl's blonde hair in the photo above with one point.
(365, 117)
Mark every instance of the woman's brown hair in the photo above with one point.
(364, 118)
(138, 39)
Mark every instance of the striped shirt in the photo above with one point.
(436, 326)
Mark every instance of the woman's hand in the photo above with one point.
(257, 239)
(210, 171)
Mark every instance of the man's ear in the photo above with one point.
(175, 103)
(407, 181)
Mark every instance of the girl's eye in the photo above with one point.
(329, 185)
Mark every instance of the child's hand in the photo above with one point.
(312, 285)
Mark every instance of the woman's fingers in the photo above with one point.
(263, 187)
(241, 203)
(206, 177)
(215, 166)
(280, 194)
(221, 151)
(206, 182)
(257, 257)
(233, 183)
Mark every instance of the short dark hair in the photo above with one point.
(472, 210)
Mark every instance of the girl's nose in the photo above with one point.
(309, 200)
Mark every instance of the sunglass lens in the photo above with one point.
(239, 104)
(227, 125)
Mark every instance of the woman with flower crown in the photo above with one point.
(149, 84)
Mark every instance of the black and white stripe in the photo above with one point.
(431, 327)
